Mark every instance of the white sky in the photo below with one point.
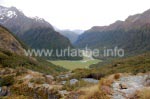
(79, 14)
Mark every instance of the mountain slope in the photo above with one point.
(12, 55)
(18, 73)
(9, 42)
(35, 32)
(18, 23)
(134, 64)
(45, 38)
(133, 34)
(72, 36)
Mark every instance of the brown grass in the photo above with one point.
(17, 97)
(93, 92)
(99, 91)
(144, 94)
(141, 94)
(105, 82)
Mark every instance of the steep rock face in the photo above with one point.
(9, 42)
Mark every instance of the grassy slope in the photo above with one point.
(134, 65)
(6, 30)
(11, 60)
(8, 59)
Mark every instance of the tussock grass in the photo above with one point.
(144, 94)
(99, 91)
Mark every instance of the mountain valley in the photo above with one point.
(87, 76)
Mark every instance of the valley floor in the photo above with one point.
(71, 65)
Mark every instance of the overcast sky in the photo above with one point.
(79, 14)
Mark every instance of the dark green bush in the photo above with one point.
(7, 80)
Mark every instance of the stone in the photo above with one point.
(63, 92)
(49, 77)
(123, 86)
(73, 81)
(30, 85)
(4, 91)
(90, 80)
(127, 86)
(147, 82)
(63, 82)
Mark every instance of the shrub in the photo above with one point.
(20, 81)
(37, 80)
(22, 89)
(6, 71)
(20, 71)
(117, 76)
(7, 80)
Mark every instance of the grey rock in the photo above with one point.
(91, 80)
(73, 81)
(63, 82)
(63, 92)
(129, 85)
(4, 91)
(49, 77)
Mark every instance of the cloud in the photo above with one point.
(80, 14)
(1, 1)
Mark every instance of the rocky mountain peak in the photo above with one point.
(11, 17)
